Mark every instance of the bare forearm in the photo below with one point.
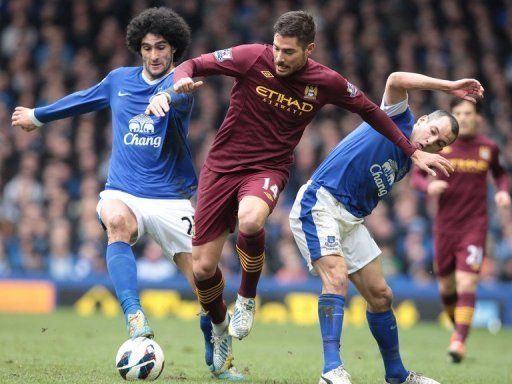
(409, 81)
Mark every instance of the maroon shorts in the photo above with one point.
(218, 196)
(459, 251)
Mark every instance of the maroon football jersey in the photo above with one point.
(267, 113)
(463, 205)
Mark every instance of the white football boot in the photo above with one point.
(335, 376)
(243, 317)
(415, 378)
(222, 367)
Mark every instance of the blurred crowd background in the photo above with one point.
(50, 179)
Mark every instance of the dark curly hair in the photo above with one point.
(159, 21)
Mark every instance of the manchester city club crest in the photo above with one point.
(310, 92)
(351, 89)
(485, 153)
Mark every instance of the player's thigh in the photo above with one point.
(314, 226)
(266, 186)
(445, 247)
(119, 211)
(170, 223)
(252, 214)
(216, 205)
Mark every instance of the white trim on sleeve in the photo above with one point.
(33, 118)
(395, 109)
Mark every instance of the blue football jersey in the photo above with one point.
(150, 155)
(363, 167)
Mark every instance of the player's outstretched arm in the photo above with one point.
(23, 118)
(398, 83)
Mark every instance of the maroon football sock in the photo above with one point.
(464, 314)
(209, 292)
(449, 302)
(251, 250)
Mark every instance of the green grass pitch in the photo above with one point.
(66, 348)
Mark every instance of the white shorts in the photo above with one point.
(322, 226)
(168, 221)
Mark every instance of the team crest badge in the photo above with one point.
(351, 89)
(310, 92)
(223, 55)
(485, 153)
(331, 242)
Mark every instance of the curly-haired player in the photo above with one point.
(151, 175)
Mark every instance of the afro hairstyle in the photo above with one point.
(159, 21)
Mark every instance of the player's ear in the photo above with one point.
(423, 119)
(309, 48)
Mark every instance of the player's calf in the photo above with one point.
(243, 317)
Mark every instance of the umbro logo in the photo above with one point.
(121, 94)
(267, 74)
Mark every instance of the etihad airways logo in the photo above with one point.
(383, 172)
(469, 165)
(283, 102)
(142, 132)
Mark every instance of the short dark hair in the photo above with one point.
(453, 121)
(457, 101)
(159, 21)
(297, 24)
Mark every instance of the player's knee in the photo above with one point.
(117, 228)
(335, 282)
(381, 298)
(203, 269)
(466, 286)
(250, 222)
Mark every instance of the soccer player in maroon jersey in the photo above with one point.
(277, 91)
(460, 225)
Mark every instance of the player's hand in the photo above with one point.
(426, 161)
(437, 187)
(186, 85)
(502, 199)
(21, 118)
(158, 106)
(467, 89)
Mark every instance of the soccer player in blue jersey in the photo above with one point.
(151, 175)
(328, 213)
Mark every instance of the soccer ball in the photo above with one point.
(140, 359)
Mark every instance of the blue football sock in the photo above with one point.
(206, 327)
(385, 331)
(330, 314)
(123, 273)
